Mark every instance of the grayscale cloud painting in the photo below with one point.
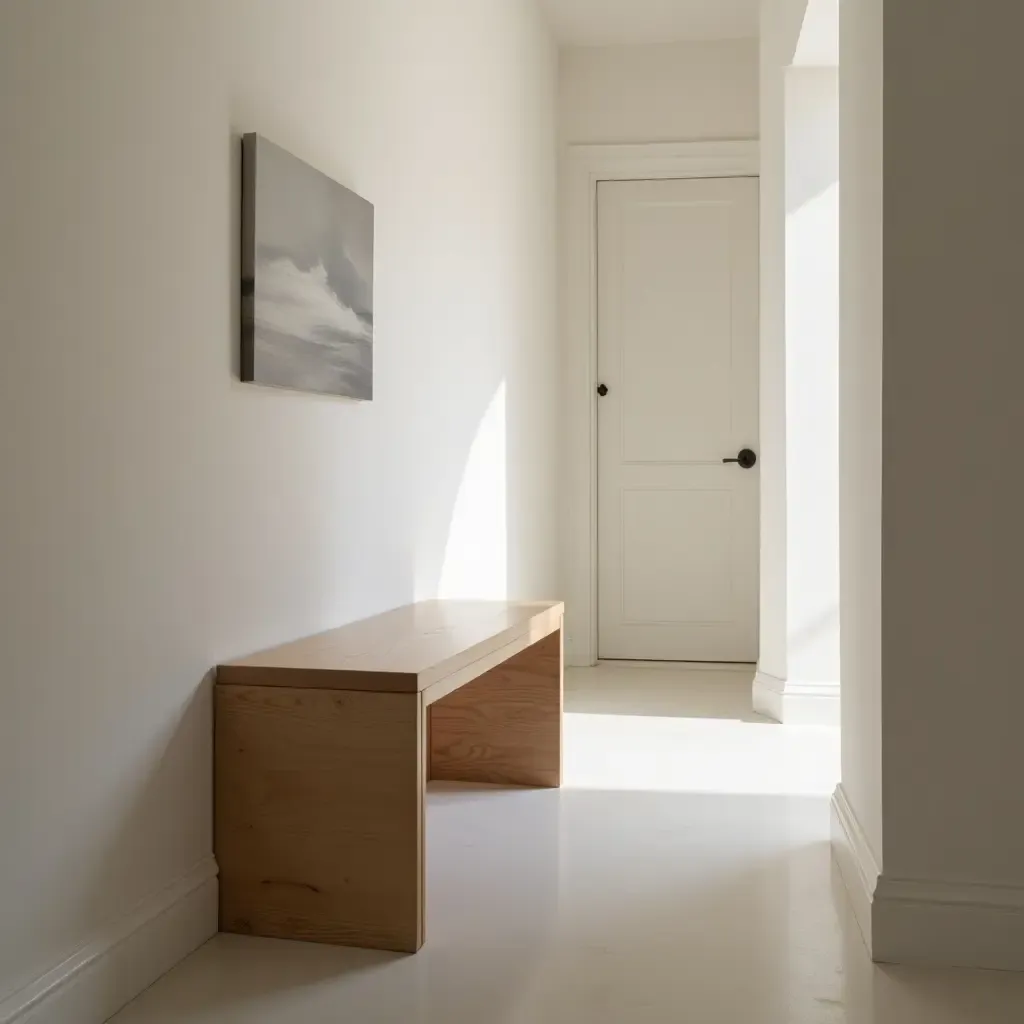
(307, 276)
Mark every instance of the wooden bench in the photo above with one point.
(324, 746)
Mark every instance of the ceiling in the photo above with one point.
(608, 22)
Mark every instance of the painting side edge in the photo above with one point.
(247, 361)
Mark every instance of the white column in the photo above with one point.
(928, 823)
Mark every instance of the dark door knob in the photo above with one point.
(747, 459)
(602, 389)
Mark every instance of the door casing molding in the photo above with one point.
(584, 166)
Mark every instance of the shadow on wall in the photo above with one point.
(812, 134)
(142, 819)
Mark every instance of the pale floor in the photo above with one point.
(683, 874)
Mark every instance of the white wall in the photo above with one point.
(812, 385)
(660, 93)
(159, 516)
(860, 411)
(798, 670)
(780, 28)
(952, 759)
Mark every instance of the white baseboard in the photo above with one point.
(573, 660)
(927, 923)
(124, 958)
(796, 703)
(576, 653)
(857, 864)
(678, 667)
(949, 924)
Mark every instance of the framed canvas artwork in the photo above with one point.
(307, 277)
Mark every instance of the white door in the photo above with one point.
(678, 354)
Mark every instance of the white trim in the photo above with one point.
(767, 695)
(584, 166)
(796, 703)
(928, 922)
(948, 924)
(124, 958)
(974, 894)
(735, 667)
(856, 861)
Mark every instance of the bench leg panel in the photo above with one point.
(506, 726)
(319, 815)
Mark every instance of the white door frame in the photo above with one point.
(584, 167)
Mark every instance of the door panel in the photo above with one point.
(653, 559)
(678, 350)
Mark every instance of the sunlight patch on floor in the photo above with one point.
(698, 755)
(687, 729)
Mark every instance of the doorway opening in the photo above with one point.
(655, 529)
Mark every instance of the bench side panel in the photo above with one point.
(319, 815)
(504, 727)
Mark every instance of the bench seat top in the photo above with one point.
(433, 646)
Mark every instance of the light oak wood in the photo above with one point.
(319, 815)
(322, 757)
(506, 726)
(402, 651)
(539, 627)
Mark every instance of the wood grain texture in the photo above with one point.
(506, 726)
(406, 650)
(319, 815)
